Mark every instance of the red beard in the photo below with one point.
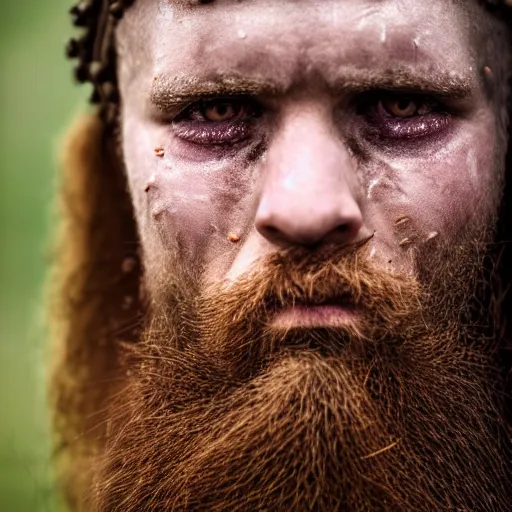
(399, 411)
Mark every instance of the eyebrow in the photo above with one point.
(167, 92)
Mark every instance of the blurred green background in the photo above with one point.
(37, 99)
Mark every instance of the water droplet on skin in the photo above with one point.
(241, 34)
(405, 242)
(432, 235)
(383, 34)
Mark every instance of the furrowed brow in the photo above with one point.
(167, 93)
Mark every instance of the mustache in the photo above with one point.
(241, 312)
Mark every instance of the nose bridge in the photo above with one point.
(311, 190)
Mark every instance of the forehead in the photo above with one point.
(291, 40)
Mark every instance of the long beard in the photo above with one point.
(397, 411)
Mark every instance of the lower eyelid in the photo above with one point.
(392, 127)
(210, 133)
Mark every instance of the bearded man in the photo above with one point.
(280, 280)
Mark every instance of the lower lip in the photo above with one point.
(314, 316)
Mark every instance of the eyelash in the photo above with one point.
(191, 124)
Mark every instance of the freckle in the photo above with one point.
(403, 219)
(405, 241)
(159, 152)
(155, 78)
(432, 235)
(128, 265)
(390, 261)
(233, 238)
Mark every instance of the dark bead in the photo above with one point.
(97, 71)
(81, 8)
(116, 10)
(73, 49)
(81, 73)
(95, 97)
(110, 113)
(81, 13)
(110, 92)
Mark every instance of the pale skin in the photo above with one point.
(329, 123)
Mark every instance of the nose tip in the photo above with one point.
(311, 193)
(337, 221)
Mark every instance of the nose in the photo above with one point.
(311, 191)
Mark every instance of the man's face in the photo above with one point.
(254, 126)
(315, 184)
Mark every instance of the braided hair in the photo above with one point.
(95, 51)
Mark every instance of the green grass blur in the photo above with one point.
(37, 99)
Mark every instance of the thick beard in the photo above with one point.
(400, 411)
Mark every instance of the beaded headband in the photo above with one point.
(96, 53)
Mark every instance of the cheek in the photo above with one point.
(410, 201)
(198, 209)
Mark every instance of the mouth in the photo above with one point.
(338, 312)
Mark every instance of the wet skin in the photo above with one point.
(253, 126)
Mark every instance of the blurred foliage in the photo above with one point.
(37, 99)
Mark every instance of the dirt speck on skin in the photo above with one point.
(403, 219)
(159, 152)
(233, 238)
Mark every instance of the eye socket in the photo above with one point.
(218, 121)
(221, 110)
(403, 116)
(405, 106)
